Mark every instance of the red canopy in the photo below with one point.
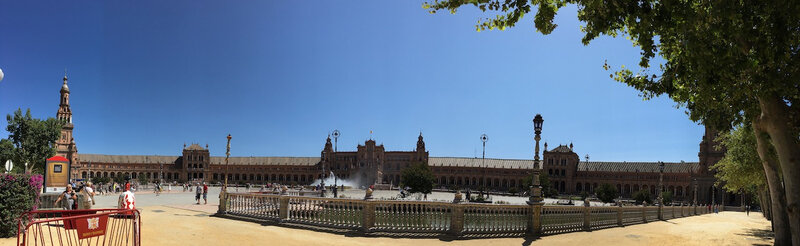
(58, 158)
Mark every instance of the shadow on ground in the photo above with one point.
(350, 232)
(759, 233)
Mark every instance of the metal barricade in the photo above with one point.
(79, 227)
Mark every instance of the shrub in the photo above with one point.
(643, 196)
(418, 177)
(19, 193)
(606, 193)
(667, 195)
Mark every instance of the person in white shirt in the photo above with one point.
(89, 189)
(127, 200)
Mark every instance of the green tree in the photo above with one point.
(742, 170)
(119, 179)
(142, 179)
(544, 182)
(642, 196)
(418, 177)
(667, 196)
(33, 139)
(606, 193)
(726, 61)
(6, 153)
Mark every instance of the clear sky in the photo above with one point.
(148, 76)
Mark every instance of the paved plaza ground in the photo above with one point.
(173, 219)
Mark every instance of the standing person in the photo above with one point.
(127, 200)
(69, 199)
(205, 192)
(747, 209)
(197, 193)
(89, 193)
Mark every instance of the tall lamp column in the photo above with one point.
(227, 155)
(536, 188)
(660, 189)
(484, 138)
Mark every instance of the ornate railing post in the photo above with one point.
(283, 208)
(367, 216)
(660, 211)
(587, 223)
(223, 203)
(673, 211)
(619, 214)
(644, 212)
(457, 219)
(535, 219)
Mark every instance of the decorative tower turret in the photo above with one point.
(65, 145)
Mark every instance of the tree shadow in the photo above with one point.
(355, 232)
(763, 234)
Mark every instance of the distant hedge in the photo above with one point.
(19, 193)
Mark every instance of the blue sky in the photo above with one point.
(148, 76)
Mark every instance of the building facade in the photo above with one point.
(370, 163)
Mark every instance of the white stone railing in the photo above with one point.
(440, 217)
(487, 218)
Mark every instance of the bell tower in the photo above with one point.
(65, 145)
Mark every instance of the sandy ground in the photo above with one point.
(189, 225)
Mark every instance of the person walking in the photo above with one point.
(205, 193)
(198, 191)
(69, 198)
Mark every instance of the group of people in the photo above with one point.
(69, 198)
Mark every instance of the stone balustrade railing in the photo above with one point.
(441, 217)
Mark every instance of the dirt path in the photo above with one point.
(179, 226)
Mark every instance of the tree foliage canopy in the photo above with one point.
(643, 196)
(544, 182)
(33, 139)
(726, 61)
(606, 193)
(418, 177)
(741, 167)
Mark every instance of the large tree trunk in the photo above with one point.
(763, 200)
(780, 218)
(775, 121)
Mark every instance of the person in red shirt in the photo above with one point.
(205, 192)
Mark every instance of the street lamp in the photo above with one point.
(694, 202)
(227, 155)
(335, 149)
(536, 189)
(660, 189)
(484, 138)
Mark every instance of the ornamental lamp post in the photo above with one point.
(660, 189)
(335, 134)
(484, 139)
(536, 188)
(223, 194)
(694, 202)
(227, 155)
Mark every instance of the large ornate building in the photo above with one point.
(371, 163)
